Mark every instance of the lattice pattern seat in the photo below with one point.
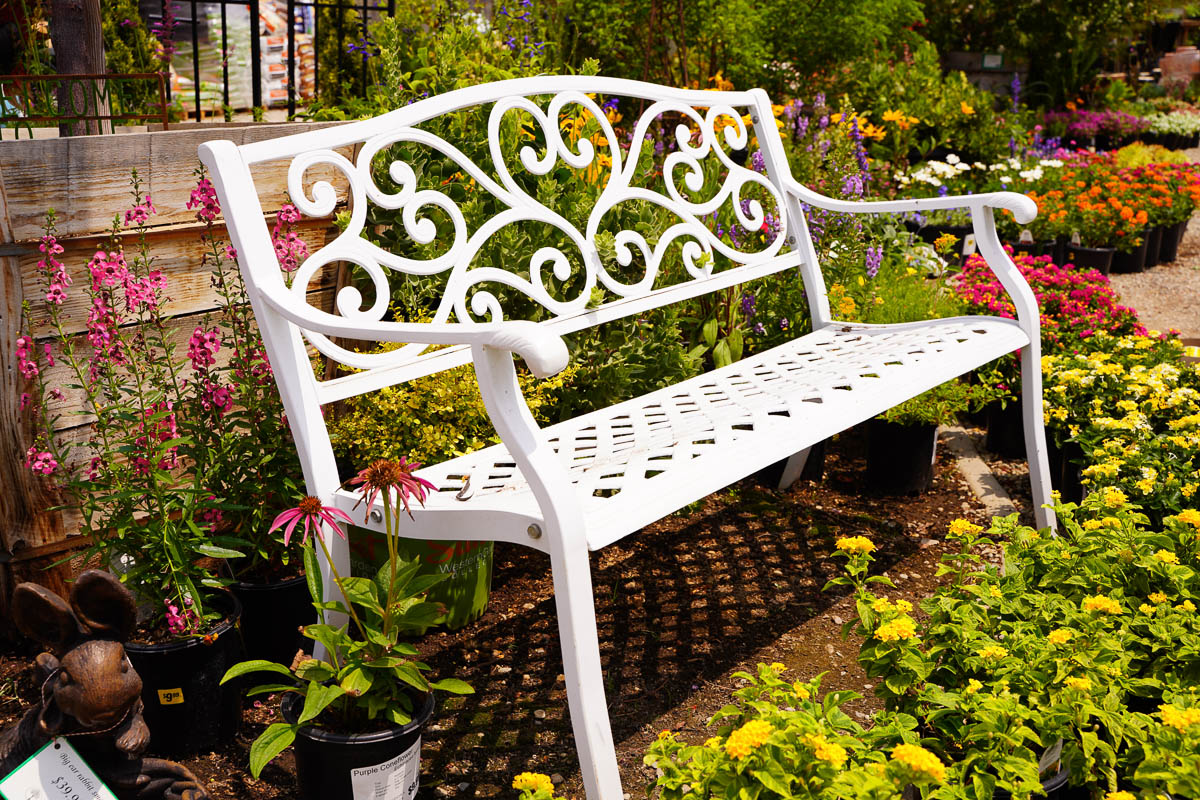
(635, 462)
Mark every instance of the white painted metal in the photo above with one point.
(586, 483)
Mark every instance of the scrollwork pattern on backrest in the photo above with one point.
(466, 298)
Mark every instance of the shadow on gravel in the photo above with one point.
(680, 608)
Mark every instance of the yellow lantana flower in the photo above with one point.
(1060, 635)
(1079, 684)
(1105, 605)
(1179, 718)
(1112, 497)
(1167, 557)
(743, 741)
(993, 652)
(1189, 516)
(899, 628)
(962, 527)
(827, 751)
(1158, 598)
(532, 782)
(855, 544)
(921, 762)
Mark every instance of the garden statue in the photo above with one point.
(90, 692)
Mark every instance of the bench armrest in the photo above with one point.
(1023, 208)
(543, 350)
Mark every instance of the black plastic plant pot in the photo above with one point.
(1071, 483)
(1169, 249)
(1154, 246)
(1098, 258)
(272, 615)
(1134, 260)
(1005, 430)
(382, 764)
(1054, 787)
(187, 709)
(900, 458)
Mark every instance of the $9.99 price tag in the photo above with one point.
(56, 772)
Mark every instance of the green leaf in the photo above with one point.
(356, 682)
(270, 743)
(735, 344)
(316, 699)
(709, 332)
(721, 355)
(312, 574)
(452, 685)
(212, 551)
(362, 592)
(256, 665)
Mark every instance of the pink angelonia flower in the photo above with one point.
(204, 200)
(315, 516)
(203, 347)
(230, 252)
(39, 461)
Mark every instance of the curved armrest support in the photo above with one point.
(542, 349)
(1023, 208)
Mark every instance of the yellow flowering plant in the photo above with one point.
(1072, 643)
(781, 739)
(1131, 405)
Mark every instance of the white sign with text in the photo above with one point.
(394, 779)
(56, 772)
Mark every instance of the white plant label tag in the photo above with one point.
(395, 779)
(54, 772)
(969, 245)
(1075, 240)
(1026, 236)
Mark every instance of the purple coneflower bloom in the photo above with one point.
(315, 516)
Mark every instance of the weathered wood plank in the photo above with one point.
(179, 331)
(86, 178)
(177, 252)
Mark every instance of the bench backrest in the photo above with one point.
(391, 162)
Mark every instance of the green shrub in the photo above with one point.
(430, 419)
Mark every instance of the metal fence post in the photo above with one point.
(255, 57)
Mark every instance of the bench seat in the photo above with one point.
(640, 460)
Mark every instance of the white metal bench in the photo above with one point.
(585, 483)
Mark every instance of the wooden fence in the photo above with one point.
(86, 181)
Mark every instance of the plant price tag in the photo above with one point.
(56, 772)
(969, 246)
(395, 779)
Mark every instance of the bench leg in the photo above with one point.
(1035, 437)
(581, 667)
(793, 468)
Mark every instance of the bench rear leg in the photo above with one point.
(793, 467)
(1035, 436)
(581, 668)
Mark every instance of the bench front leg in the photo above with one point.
(563, 536)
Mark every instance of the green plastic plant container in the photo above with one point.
(469, 564)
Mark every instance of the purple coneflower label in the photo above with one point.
(394, 779)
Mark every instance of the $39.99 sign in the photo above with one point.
(56, 772)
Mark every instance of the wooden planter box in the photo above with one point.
(86, 181)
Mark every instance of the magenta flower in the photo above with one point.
(315, 516)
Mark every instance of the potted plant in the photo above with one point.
(362, 702)
(902, 442)
(252, 469)
(139, 477)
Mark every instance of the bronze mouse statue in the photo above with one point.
(91, 694)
